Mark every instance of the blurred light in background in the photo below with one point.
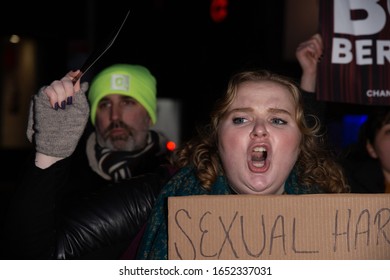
(351, 127)
(169, 120)
(14, 39)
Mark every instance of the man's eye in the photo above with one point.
(278, 121)
(103, 105)
(239, 120)
(128, 101)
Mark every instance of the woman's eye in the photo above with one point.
(278, 121)
(239, 120)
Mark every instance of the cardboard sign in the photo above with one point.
(356, 63)
(279, 227)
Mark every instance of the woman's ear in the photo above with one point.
(371, 150)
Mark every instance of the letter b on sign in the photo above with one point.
(372, 24)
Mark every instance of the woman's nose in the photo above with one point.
(259, 130)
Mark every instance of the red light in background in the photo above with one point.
(171, 145)
(219, 10)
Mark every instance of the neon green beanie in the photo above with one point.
(131, 80)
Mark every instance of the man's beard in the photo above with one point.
(124, 142)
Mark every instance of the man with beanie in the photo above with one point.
(86, 193)
(123, 107)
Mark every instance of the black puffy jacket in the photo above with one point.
(102, 223)
(69, 212)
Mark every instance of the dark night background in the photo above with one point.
(191, 56)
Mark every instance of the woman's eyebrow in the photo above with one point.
(249, 109)
(241, 109)
(279, 111)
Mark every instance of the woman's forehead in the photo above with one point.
(263, 91)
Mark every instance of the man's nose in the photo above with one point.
(115, 112)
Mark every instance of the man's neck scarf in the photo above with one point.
(123, 165)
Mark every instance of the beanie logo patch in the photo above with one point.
(120, 82)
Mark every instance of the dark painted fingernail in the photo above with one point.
(63, 104)
(69, 100)
(56, 106)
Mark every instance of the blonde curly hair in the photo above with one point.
(315, 165)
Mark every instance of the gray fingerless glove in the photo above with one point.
(57, 132)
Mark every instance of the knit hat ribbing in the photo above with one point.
(131, 80)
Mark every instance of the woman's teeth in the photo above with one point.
(259, 156)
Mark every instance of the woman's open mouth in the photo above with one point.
(259, 155)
